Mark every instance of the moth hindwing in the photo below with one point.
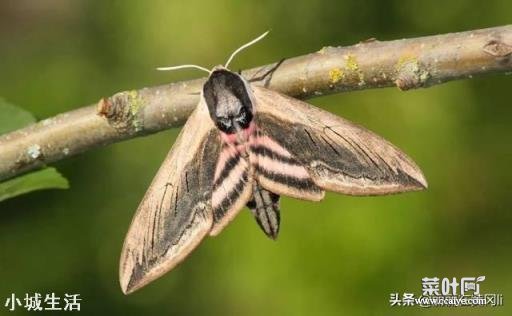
(246, 145)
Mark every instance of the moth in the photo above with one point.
(245, 145)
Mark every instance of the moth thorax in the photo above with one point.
(228, 101)
(228, 105)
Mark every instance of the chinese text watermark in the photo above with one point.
(450, 292)
(46, 302)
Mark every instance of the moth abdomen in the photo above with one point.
(264, 205)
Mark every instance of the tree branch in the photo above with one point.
(407, 64)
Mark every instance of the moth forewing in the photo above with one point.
(233, 210)
(339, 155)
(175, 213)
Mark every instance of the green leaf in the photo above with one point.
(48, 178)
(12, 118)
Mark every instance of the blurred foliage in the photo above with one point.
(11, 118)
(344, 255)
(48, 178)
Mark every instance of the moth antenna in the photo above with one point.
(244, 47)
(183, 67)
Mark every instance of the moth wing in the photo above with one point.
(278, 170)
(175, 213)
(339, 155)
(232, 186)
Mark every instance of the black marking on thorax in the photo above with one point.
(228, 101)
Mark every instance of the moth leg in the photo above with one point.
(267, 76)
(265, 207)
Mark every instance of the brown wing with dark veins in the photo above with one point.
(339, 155)
(176, 212)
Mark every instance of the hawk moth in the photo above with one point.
(245, 145)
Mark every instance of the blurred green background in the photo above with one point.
(344, 255)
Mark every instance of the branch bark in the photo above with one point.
(407, 64)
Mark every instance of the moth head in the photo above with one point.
(228, 100)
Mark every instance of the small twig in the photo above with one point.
(407, 64)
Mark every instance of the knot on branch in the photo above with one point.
(32, 155)
(410, 74)
(123, 111)
(497, 48)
